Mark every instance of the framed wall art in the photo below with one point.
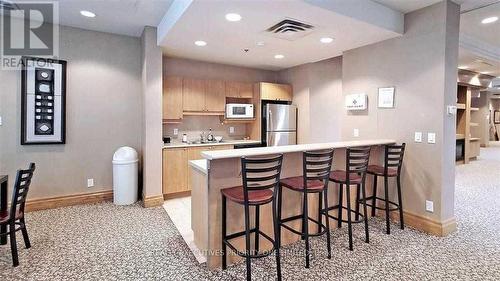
(43, 101)
(386, 97)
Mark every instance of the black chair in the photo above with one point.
(15, 216)
(316, 170)
(393, 161)
(354, 174)
(260, 175)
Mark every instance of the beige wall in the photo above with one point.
(152, 90)
(422, 66)
(482, 118)
(317, 92)
(207, 70)
(103, 113)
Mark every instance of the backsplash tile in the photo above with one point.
(194, 125)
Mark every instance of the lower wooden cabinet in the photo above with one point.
(176, 169)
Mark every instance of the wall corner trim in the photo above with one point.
(68, 200)
(428, 225)
(153, 201)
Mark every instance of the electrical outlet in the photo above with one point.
(90, 182)
(231, 130)
(418, 136)
(355, 133)
(431, 138)
(429, 206)
(176, 132)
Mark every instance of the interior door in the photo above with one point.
(281, 138)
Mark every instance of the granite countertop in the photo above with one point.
(177, 144)
(236, 153)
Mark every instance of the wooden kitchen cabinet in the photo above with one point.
(175, 170)
(215, 96)
(193, 94)
(272, 91)
(172, 99)
(239, 90)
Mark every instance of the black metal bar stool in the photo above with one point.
(354, 174)
(393, 162)
(260, 175)
(315, 172)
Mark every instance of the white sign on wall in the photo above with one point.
(386, 97)
(356, 101)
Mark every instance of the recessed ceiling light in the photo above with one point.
(260, 43)
(233, 17)
(200, 43)
(489, 20)
(326, 40)
(279, 57)
(87, 14)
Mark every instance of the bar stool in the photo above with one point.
(315, 172)
(354, 174)
(392, 168)
(259, 176)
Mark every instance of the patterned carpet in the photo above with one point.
(107, 242)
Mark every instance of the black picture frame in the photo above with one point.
(26, 60)
(496, 117)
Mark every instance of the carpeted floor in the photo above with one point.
(106, 242)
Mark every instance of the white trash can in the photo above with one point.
(125, 176)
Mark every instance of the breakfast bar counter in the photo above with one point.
(222, 169)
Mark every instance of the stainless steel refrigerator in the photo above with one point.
(279, 124)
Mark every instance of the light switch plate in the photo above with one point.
(355, 133)
(176, 132)
(0, 120)
(418, 136)
(90, 182)
(231, 130)
(429, 206)
(431, 138)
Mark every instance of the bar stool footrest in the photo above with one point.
(369, 204)
(244, 255)
(346, 221)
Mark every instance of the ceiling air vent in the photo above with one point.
(290, 29)
(7, 5)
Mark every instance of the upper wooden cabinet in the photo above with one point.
(203, 96)
(239, 90)
(193, 94)
(272, 91)
(172, 98)
(215, 98)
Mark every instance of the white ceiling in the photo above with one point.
(406, 6)
(470, 24)
(480, 43)
(126, 17)
(204, 20)
(469, 60)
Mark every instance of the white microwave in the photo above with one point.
(239, 110)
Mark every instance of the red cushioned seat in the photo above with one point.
(340, 177)
(236, 194)
(297, 183)
(5, 215)
(379, 171)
